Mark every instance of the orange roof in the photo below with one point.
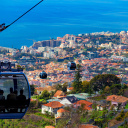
(62, 110)
(87, 126)
(49, 127)
(87, 104)
(48, 88)
(71, 88)
(116, 98)
(54, 104)
(59, 93)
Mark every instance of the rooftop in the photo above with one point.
(116, 98)
(54, 104)
(87, 126)
(62, 110)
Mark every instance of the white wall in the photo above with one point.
(65, 102)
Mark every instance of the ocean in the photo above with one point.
(55, 18)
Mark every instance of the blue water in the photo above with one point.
(54, 18)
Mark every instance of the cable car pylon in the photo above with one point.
(3, 27)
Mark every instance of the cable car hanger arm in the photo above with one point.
(22, 15)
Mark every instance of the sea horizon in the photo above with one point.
(55, 19)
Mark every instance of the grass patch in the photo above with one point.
(126, 107)
(98, 98)
(34, 97)
(84, 120)
(45, 116)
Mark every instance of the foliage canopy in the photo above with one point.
(99, 82)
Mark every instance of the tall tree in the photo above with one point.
(77, 84)
(45, 95)
(32, 88)
(101, 81)
(85, 86)
(64, 87)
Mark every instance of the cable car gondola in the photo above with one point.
(14, 92)
(2, 27)
(43, 75)
(71, 65)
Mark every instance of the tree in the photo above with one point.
(77, 84)
(99, 121)
(120, 116)
(32, 88)
(57, 87)
(107, 90)
(115, 88)
(85, 86)
(125, 93)
(99, 82)
(64, 87)
(44, 95)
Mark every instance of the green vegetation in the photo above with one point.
(104, 84)
(99, 82)
(122, 116)
(98, 98)
(61, 87)
(110, 84)
(32, 88)
(30, 120)
(126, 107)
(44, 95)
(77, 84)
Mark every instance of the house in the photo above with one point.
(50, 100)
(51, 107)
(102, 104)
(59, 94)
(41, 89)
(62, 112)
(69, 89)
(101, 107)
(117, 100)
(87, 126)
(49, 127)
(69, 100)
(81, 96)
(87, 104)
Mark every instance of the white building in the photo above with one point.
(51, 107)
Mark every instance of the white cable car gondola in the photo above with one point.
(71, 66)
(14, 92)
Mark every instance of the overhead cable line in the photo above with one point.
(4, 27)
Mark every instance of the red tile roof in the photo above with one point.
(49, 127)
(48, 88)
(71, 88)
(116, 98)
(87, 104)
(59, 93)
(54, 104)
(83, 102)
(87, 126)
(62, 110)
